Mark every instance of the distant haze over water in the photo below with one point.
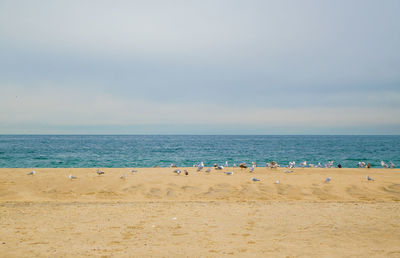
(186, 150)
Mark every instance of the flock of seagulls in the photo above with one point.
(272, 164)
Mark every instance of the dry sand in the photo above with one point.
(155, 212)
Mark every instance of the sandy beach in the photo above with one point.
(155, 212)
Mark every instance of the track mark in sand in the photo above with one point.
(220, 190)
(39, 243)
(293, 192)
(393, 254)
(189, 188)
(154, 193)
(392, 189)
(170, 192)
(242, 250)
(323, 192)
(361, 194)
(133, 188)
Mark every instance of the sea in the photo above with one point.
(66, 151)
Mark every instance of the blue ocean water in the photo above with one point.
(17, 151)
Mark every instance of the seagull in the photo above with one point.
(392, 165)
(99, 172)
(255, 179)
(277, 182)
(200, 166)
(177, 171)
(252, 169)
(229, 173)
(72, 177)
(383, 164)
(208, 170)
(288, 171)
(133, 171)
(327, 180)
(369, 179)
(226, 163)
(31, 173)
(186, 172)
(219, 167)
(303, 164)
(123, 176)
(172, 165)
(242, 165)
(234, 165)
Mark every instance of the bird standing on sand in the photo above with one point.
(242, 165)
(229, 173)
(219, 167)
(383, 164)
(31, 173)
(252, 169)
(208, 170)
(177, 171)
(72, 177)
(392, 165)
(99, 172)
(133, 171)
(200, 166)
(186, 172)
(124, 176)
(277, 182)
(303, 164)
(255, 179)
(226, 163)
(369, 179)
(327, 180)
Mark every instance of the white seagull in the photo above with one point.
(369, 179)
(327, 180)
(383, 164)
(229, 173)
(99, 172)
(31, 173)
(177, 171)
(133, 171)
(72, 177)
(255, 179)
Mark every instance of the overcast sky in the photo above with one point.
(200, 67)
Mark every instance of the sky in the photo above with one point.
(200, 67)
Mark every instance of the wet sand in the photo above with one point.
(155, 212)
